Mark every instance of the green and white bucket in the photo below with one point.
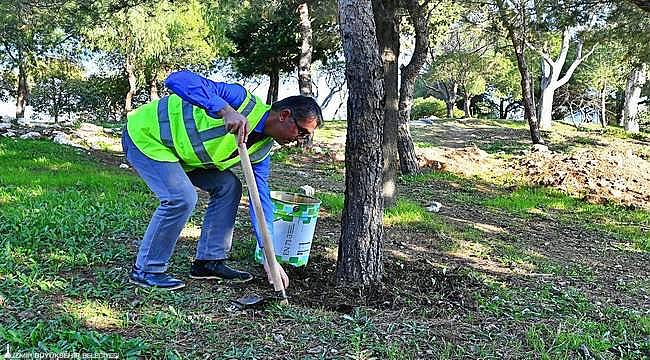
(294, 222)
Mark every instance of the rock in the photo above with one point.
(32, 135)
(5, 125)
(9, 134)
(434, 207)
(124, 166)
(62, 138)
(540, 148)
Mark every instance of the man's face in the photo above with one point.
(294, 130)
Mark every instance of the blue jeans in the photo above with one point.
(175, 190)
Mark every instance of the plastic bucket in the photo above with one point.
(294, 222)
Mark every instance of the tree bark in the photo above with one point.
(451, 100)
(466, 106)
(21, 97)
(129, 69)
(360, 246)
(306, 49)
(518, 46)
(635, 82)
(407, 157)
(388, 41)
(274, 86)
(153, 86)
(603, 107)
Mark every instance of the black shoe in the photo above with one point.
(159, 280)
(217, 269)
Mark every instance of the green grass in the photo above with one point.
(625, 224)
(67, 227)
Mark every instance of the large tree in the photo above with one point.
(150, 40)
(267, 41)
(360, 246)
(32, 31)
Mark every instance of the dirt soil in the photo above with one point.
(606, 169)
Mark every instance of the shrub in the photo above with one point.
(426, 107)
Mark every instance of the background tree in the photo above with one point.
(360, 246)
(266, 39)
(31, 31)
(54, 92)
(148, 40)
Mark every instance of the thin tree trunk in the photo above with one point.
(388, 42)
(274, 85)
(21, 98)
(129, 68)
(466, 106)
(620, 107)
(603, 108)
(405, 147)
(360, 246)
(451, 100)
(153, 86)
(306, 49)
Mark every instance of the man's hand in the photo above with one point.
(235, 123)
(283, 274)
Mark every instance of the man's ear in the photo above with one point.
(284, 114)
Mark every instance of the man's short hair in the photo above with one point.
(302, 107)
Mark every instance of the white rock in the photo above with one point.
(540, 148)
(124, 166)
(434, 207)
(62, 138)
(31, 135)
(9, 134)
(5, 125)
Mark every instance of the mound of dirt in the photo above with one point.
(619, 176)
(467, 161)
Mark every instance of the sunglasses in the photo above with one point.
(303, 133)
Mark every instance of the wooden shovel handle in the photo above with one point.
(269, 252)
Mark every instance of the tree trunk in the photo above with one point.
(551, 80)
(635, 83)
(620, 107)
(153, 86)
(21, 98)
(304, 63)
(466, 104)
(129, 68)
(274, 86)
(603, 103)
(407, 157)
(526, 88)
(360, 246)
(388, 42)
(451, 100)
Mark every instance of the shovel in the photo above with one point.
(269, 252)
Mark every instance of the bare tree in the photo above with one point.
(551, 70)
(360, 246)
